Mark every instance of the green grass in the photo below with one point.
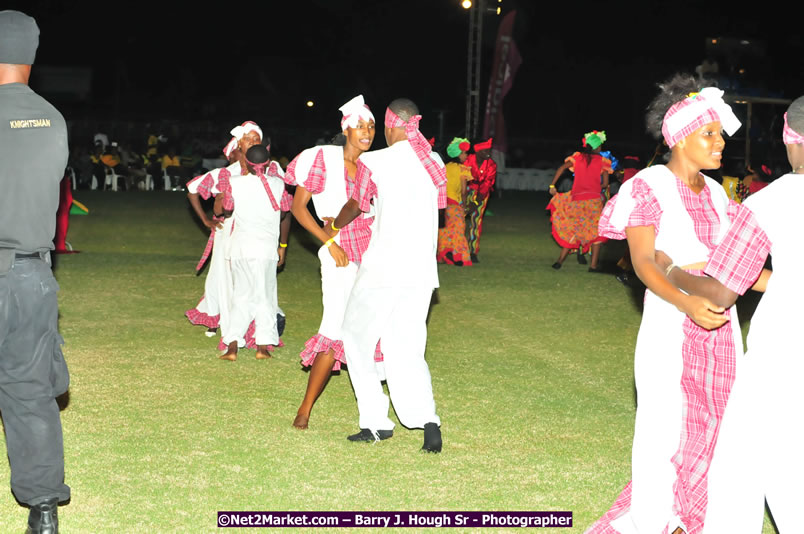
(532, 373)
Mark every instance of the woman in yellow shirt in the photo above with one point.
(452, 245)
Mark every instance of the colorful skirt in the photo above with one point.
(575, 221)
(452, 238)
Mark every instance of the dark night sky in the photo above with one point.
(585, 65)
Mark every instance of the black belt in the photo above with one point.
(36, 255)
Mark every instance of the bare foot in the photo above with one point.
(231, 352)
(262, 352)
(301, 421)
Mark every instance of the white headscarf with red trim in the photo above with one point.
(696, 111)
(354, 111)
(249, 126)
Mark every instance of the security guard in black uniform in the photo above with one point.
(33, 156)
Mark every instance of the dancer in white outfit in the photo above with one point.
(758, 456)
(391, 296)
(212, 309)
(326, 175)
(254, 251)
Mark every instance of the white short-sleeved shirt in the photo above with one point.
(256, 223)
(402, 251)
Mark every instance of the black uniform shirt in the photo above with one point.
(33, 156)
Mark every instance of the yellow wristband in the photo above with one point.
(330, 241)
(334, 228)
(552, 186)
(283, 245)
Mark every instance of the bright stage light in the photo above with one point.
(466, 4)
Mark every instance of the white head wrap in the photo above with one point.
(353, 111)
(239, 131)
(231, 145)
(696, 111)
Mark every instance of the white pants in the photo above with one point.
(336, 286)
(398, 316)
(758, 454)
(253, 299)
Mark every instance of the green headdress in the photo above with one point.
(456, 146)
(594, 139)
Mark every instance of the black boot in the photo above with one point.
(432, 438)
(43, 518)
(367, 435)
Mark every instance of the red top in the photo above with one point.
(587, 168)
(483, 176)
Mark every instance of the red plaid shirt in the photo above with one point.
(738, 261)
(354, 237)
(203, 185)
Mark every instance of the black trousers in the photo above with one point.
(32, 374)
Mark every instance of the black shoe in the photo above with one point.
(595, 270)
(473, 257)
(367, 435)
(556, 266)
(581, 258)
(43, 518)
(432, 438)
(280, 324)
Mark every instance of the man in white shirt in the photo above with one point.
(255, 249)
(391, 295)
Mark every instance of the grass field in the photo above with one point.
(532, 374)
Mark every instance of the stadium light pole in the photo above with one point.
(477, 10)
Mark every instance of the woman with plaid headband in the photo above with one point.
(750, 467)
(575, 214)
(452, 245)
(686, 350)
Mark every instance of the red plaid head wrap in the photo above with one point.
(419, 144)
(696, 111)
(789, 135)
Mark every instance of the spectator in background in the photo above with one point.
(135, 168)
(171, 166)
(101, 138)
(111, 160)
